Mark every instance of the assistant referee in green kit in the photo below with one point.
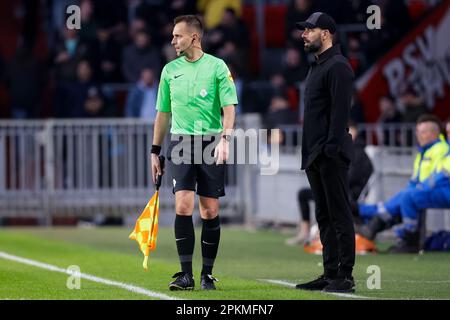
(194, 90)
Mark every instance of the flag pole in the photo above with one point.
(153, 209)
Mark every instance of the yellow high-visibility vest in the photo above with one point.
(425, 164)
(444, 165)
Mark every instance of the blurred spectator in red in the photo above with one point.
(139, 55)
(25, 81)
(141, 100)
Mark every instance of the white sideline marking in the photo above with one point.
(121, 285)
(412, 281)
(290, 284)
(349, 295)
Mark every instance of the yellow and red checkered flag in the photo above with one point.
(146, 229)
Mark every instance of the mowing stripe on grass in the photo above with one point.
(290, 284)
(122, 285)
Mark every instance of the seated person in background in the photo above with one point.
(434, 193)
(432, 148)
(141, 101)
(361, 169)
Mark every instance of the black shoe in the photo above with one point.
(183, 281)
(207, 282)
(318, 284)
(369, 231)
(341, 285)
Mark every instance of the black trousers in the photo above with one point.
(304, 196)
(328, 178)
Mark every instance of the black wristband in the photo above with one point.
(156, 149)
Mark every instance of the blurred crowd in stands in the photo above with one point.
(111, 66)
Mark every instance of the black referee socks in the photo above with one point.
(185, 238)
(210, 243)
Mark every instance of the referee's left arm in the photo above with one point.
(163, 105)
(229, 114)
(228, 100)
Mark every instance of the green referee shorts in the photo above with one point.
(192, 166)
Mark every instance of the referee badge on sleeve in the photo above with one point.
(230, 77)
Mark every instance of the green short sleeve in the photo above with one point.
(227, 89)
(163, 100)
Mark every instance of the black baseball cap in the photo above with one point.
(318, 20)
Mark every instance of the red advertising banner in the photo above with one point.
(419, 63)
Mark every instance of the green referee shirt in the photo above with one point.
(195, 92)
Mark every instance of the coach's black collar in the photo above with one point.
(327, 54)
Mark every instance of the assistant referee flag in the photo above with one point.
(146, 229)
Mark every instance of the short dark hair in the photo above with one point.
(430, 118)
(192, 21)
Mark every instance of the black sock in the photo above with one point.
(185, 238)
(210, 243)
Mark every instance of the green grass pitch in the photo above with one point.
(245, 259)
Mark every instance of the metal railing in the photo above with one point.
(83, 167)
(398, 137)
(51, 168)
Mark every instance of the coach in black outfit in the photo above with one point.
(327, 152)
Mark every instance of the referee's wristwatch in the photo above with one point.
(227, 137)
